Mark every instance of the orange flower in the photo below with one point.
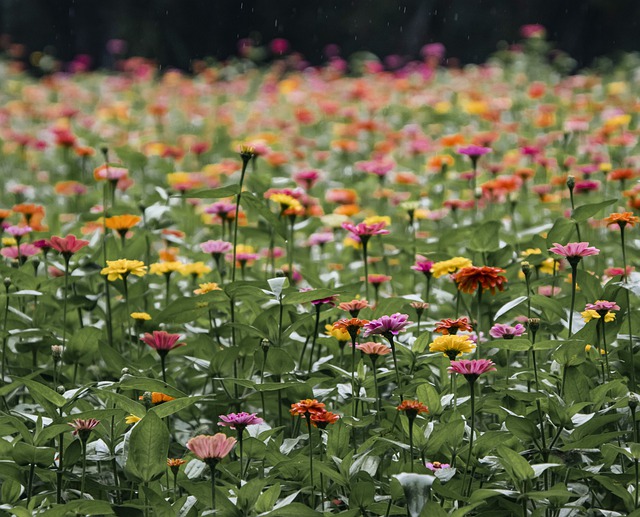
(28, 210)
(321, 420)
(486, 277)
(122, 223)
(449, 326)
(174, 463)
(352, 326)
(452, 140)
(622, 219)
(307, 407)
(156, 397)
(412, 408)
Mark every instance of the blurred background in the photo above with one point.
(176, 32)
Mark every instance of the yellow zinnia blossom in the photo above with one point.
(140, 316)
(132, 419)
(450, 266)
(530, 251)
(375, 219)
(165, 268)
(590, 314)
(285, 201)
(120, 269)
(452, 345)
(546, 266)
(195, 268)
(207, 288)
(338, 333)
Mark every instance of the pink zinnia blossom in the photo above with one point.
(387, 326)
(423, 265)
(213, 447)
(241, 420)
(474, 151)
(216, 247)
(549, 291)
(82, 428)
(20, 231)
(436, 465)
(500, 330)
(602, 305)
(574, 251)
(26, 250)
(366, 230)
(67, 245)
(162, 341)
(320, 238)
(472, 369)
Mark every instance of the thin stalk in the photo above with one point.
(473, 426)
(128, 312)
(32, 471)
(574, 272)
(212, 466)
(478, 320)
(375, 387)
(65, 294)
(235, 220)
(353, 376)
(366, 266)
(308, 419)
(163, 358)
(604, 346)
(395, 359)
(632, 368)
(4, 326)
(314, 337)
(167, 288)
(411, 443)
(83, 443)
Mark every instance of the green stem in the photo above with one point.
(632, 367)
(314, 337)
(308, 419)
(375, 387)
(411, 442)
(235, 220)
(604, 346)
(473, 426)
(32, 471)
(64, 301)
(212, 466)
(366, 267)
(84, 467)
(574, 272)
(163, 358)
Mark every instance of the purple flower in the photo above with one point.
(18, 231)
(216, 247)
(472, 369)
(240, 420)
(436, 465)
(499, 330)
(474, 151)
(602, 307)
(387, 326)
(366, 230)
(423, 265)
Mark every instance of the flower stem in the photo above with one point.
(574, 272)
(411, 442)
(308, 419)
(366, 267)
(163, 358)
(314, 337)
(632, 367)
(375, 387)
(235, 220)
(64, 301)
(604, 346)
(84, 467)
(353, 377)
(473, 425)
(212, 466)
(32, 471)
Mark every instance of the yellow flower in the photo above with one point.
(338, 333)
(546, 266)
(9, 241)
(530, 251)
(590, 314)
(450, 266)
(374, 219)
(140, 316)
(207, 288)
(132, 419)
(452, 345)
(285, 201)
(121, 268)
(196, 269)
(165, 268)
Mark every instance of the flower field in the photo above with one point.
(272, 292)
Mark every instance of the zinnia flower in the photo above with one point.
(622, 219)
(472, 369)
(469, 279)
(412, 408)
(373, 349)
(67, 245)
(162, 341)
(122, 223)
(364, 231)
(387, 326)
(211, 449)
(449, 266)
(307, 407)
(436, 465)
(423, 265)
(353, 307)
(452, 345)
(351, 326)
(591, 314)
(119, 269)
(82, 428)
(449, 326)
(323, 419)
(500, 330)
(574, 251)
(239, 421)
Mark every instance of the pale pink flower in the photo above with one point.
(473, 368)
(213, 447)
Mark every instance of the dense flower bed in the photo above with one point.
(426, 302)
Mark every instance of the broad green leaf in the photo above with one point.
(148, 448)
(584, 212)
(27, 454)
(508, 306)
(146, 384)
(428, 395)
(516, 466)
(268, 498)
(173, 406)
(130, 406)
(516, 344)
(80, 507)
(215, 193)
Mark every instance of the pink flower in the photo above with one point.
(240, 420)
(366, 230)
(82, 428)
(26, 250)
(474, 151)
(423, 265)
(20, 231)
(373, 349)
(548, 290)
(387, 326)
(574, 251)
(473, 368)
(162, 341)
(602, 305)
(67, 245)
(500, 330)
(216, 247)
(436, 465)
(213, 447)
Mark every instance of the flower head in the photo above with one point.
(353, 307)
(591, 314)
(574, 251)
(449, 266)
(412, 408)
(323, 419)
(351, 326)
(449, 326)
(474, 151)
(210, 449)
(499, 330)
(423, 265)
(387, 326)
(140, 316)
(471, 278)
(602, 306)
(67, 245)
(239, 421)
(622, 219)
(364, 231)
(122, 223)
(216, 247)
(207, 288)
(162, 341)
(436, 465)
(452, 345)
(120, 269)
(307, 407)
(373, 349)
(82, 428)
(472, 369)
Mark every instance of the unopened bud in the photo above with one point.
(571, 182)
(534, 324)
(56, 352)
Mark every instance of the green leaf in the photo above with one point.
(584, 212)
(552, 308)
(508, 306)
(173, 406)
(268, 498)
(215, 193)
(362, 494)
(617, 489)
(80, 507)
(253, 203)
(486, 237)
(308, 296)
(50, 400)
(522, 428)
(10, 492)
(516, 466)
(130, 406)
(83, 343)
(148, 447)
(146, 384)
(161, 507)
(560, 232)
(186, 310)
(428, 395)
(27, 454)
(516, 344)
(294, 510)
(485, 493)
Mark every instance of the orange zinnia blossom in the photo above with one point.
(622, 219)
(448, 326)
(469, 279)
(412, 408)
(307, 407)
(122, 223)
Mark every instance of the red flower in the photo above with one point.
(469, 279)
(67, 245)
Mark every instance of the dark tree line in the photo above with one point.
(176, 31)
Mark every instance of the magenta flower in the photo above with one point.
(365, 231)
(216, 247)
(68, 245)
(210, 449)
(436, 465)
(472, 369)
(240, 420)
(387, 326)
(423, 265)
(574, 250)
(474, 151)
(162, 341)
(499, 330)
(602, 305)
